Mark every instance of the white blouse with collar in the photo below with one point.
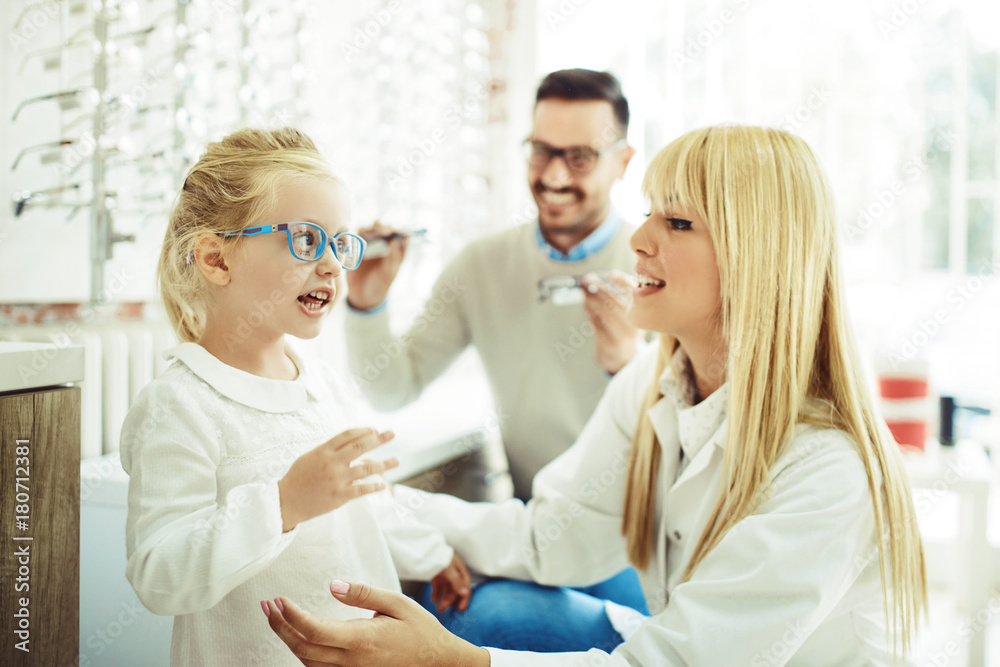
(204, 445)
(796, 583)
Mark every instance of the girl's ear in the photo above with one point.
(210, 259)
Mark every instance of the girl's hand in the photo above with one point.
(401, 633)
(452, 585)
(323, 479)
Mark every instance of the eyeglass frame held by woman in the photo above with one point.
(550, 286)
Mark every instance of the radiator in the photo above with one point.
(121, 359)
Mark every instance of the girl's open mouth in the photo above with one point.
(313, 303)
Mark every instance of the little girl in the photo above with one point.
(237, 491)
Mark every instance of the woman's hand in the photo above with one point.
(401, 633)
(323, 479)
(615, 339)
(452, 585)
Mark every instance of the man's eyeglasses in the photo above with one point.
(579, 159)
(307, 242)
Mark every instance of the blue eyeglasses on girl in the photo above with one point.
(307, 242)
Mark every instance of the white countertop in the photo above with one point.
(104, 482)
(27, 366)
(450, 421)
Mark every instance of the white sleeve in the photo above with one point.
(186, 549)
(776, 575)
(393, 371)
(774, 578)
(569, 533)
(419, 551)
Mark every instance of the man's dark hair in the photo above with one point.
(586, 84)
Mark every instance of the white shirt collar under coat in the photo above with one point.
(696, 424)
(251, 390)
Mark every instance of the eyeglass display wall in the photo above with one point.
(414, 115)
(108, 102)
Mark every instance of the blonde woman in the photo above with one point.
(739, 466)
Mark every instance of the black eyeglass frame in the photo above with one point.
(590, 156)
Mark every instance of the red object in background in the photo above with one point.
(902, 387)
(908, 433)
(904, 406)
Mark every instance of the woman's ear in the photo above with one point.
(210, 259)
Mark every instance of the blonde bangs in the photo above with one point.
(675, 177)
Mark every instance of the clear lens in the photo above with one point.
(349, 249)
(307, 241)
(558, 282)
(581, 159)
(536, 153)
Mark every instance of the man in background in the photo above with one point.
(548, 353)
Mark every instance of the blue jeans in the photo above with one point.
(525, 616)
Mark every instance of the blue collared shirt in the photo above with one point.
(594, 243)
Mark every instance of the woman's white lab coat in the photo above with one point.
(796, 583)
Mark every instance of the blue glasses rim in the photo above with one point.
(326, 239)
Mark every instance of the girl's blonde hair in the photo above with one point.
(791, 353)
(231, 187)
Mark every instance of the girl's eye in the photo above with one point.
(680, 223)
(305, 239)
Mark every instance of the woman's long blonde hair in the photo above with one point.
(791, 354)
(231, 187)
